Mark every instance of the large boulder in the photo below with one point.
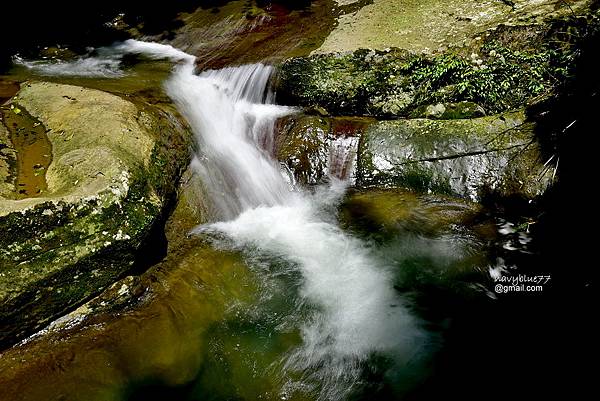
(428, 26)
(114, 168)
(469, 158)
(497, 71)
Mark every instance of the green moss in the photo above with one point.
(466, 157)
(63, 250)
(502, 72)
(502, 79)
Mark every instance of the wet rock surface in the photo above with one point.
(474, 158)
(157, 324)
(169, 326)
(467, 158)
(114, 169)
(316, 147)
(242, 32)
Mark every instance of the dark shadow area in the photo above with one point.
(27, 27)
(539, 345)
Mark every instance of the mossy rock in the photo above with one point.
(429, 26)
(358, 83)
(394, 83)
(114, 169)
(468, 158)
(449, 111)
(497, 71)
(303, 147)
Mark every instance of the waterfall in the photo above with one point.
(355, 312)
(230, 114)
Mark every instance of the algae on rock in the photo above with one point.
(469, 158)
(499, 70)
(114, 170)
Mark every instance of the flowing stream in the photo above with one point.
(327, 287)
(346, 307)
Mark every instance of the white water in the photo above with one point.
(225, 111)
(356, 310)
(101, 67)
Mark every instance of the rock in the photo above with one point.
(389, 211)
(158, 323)
(115, 167)
(449, 111)
(468, 158)
(498, 71)
(359, 83)
(393, 83)
(314, 148)
(303, 147)
(427, 26)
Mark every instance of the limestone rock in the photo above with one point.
(115, 165)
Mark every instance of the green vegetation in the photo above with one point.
(503, 71)
(502, 79)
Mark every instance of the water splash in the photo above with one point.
(356, 310)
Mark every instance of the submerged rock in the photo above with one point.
(468, 158)
(390, 211)
(115, 165)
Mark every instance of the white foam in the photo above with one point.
(102, 67)
(224, 111)
(357, 312)
(107, 61)
(149, 49)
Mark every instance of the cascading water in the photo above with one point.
(230, 115)
(354, 312)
